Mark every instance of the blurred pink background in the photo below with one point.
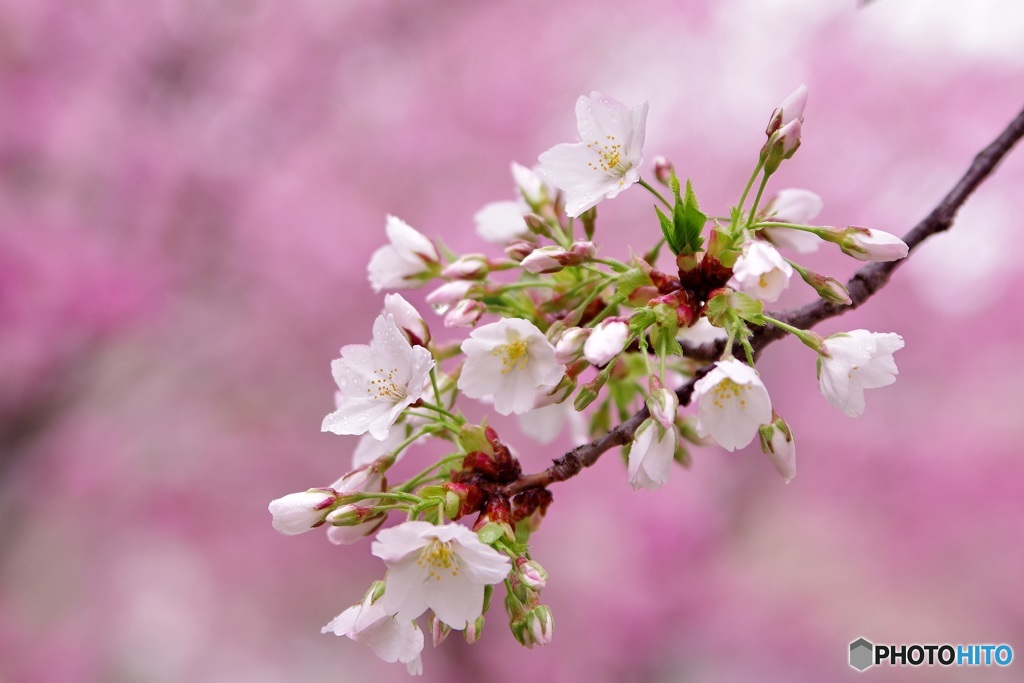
(190, 191)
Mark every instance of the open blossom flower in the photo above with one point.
(796, 206)
(760, 271)
(502, 222)
(390, 639)
(607, 159)
(396, 265)
(650, 456)
(509, 362)
(378, 381)
(854, 361)
(442, 568)
(297, 513)
(732, 404)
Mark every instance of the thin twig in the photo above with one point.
(864, 283)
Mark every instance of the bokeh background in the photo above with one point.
(190, 191)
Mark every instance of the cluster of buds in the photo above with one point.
(557, 331)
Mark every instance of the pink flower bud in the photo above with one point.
(449, 294)
(581, 251)
(464, 314)
(438, 630)
(474, 630)
(468, 267)
(540, 626)
(779, 445)
(606, 341)
(531, 574)
(663, 169)
(519, 249)
(791, 109)
(548, 259)
(408, 319)
(297, 513)
(872, 245)
(663, 405)
(570, 344)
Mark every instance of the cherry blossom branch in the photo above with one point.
(864, 283)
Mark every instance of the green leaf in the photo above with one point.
(689, 221)
(668, 229)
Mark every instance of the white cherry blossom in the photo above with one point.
(442, 568)
(530, 184)
(854, 361)
(502, 222)
(390, 639)
(650, 457)
(508, 362)
(797, 206)
(761, 271)
(378, 381)
(732, 404)
(607, 159)
(397, 265)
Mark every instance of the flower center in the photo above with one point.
(609, 156)
(514, 356)
(438, 557)
(727, 391)
(383, 387)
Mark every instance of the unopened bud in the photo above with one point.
(782, 145)
(663, 404)
(539, 626)
(548, 259)
(866, 244)
(537, 225)
(531, 574)
(408, 319)
(663, 169)
(449, 294)
(297, 513)
(779, 445)
(464, 314)
(530, 185)
(519, 249)
(468, 267)
(474, 630)
(791, 109)
(607, 341)
(438, 629)
(570, 344)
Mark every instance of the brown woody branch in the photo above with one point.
(864, 283)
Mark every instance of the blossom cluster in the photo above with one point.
(556, 331)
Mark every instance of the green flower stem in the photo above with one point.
(643, 183)
(611, 263)
(750, 183)
(613, 305)
(793, 226)
(809, 338)
(433, 383)
(526, 284)
(438, 409)
(384, 495)
(757, 198)
(415, 481)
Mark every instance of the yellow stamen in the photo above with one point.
(438, 558)
(514, 356)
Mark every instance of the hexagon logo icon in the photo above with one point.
(861, 654)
